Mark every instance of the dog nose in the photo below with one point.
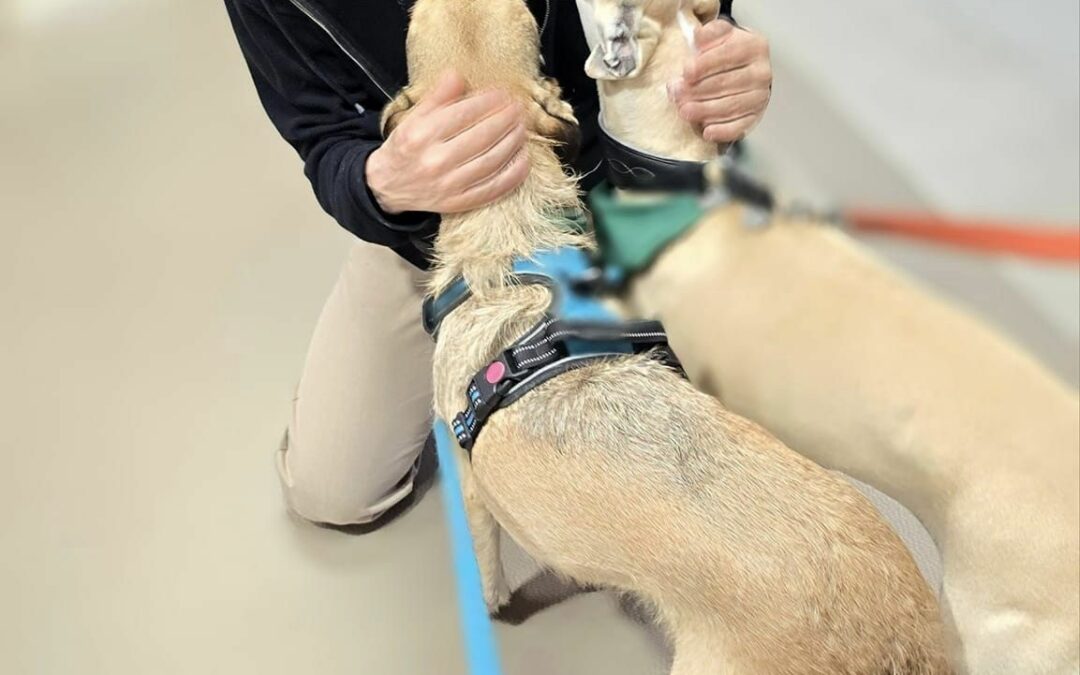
(620, 65)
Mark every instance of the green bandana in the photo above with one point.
(632, 235)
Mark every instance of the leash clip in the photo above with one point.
(714, 171)
(714, 189)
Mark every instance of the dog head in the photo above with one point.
(493, 44)
(624, 33)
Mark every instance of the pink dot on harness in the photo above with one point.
(495, 372)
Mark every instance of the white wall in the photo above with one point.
(976, 101)
(31, 14)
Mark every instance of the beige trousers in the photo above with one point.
(363, 408)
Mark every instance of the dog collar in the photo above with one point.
(631, 168)
(568, 272)
(575, 268)
(439, 307)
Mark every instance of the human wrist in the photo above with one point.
(375, 174)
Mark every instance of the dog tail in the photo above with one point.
(920, 660)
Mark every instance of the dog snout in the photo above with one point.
(619, 56)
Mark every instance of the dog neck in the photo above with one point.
(481, 245)
(640, 113)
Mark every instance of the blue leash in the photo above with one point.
(481, 650)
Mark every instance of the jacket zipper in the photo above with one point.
(547, 15)
(356, 59)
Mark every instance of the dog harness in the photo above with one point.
(576, 330)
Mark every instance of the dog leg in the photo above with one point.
(691, 663)
(702, 654)
(486, 542)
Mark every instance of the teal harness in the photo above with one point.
(576, 330)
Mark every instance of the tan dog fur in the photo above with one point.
(621, 474)
(800, 329)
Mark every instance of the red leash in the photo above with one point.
(1059, 243)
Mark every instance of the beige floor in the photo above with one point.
(162, 266)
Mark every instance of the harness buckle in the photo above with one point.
(463, 431)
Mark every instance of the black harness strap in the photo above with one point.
(549, 349)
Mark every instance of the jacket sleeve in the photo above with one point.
(332, 124)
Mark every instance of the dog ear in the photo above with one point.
(627, 39)
(395, 111)
(555, 119)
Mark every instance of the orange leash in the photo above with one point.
(1047, 243)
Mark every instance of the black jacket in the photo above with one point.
(324, 69)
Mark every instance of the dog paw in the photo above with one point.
(497, 596)
(562, 109)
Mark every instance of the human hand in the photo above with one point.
(726, 87)
(451, 153)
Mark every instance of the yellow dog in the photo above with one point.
(798, 328)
